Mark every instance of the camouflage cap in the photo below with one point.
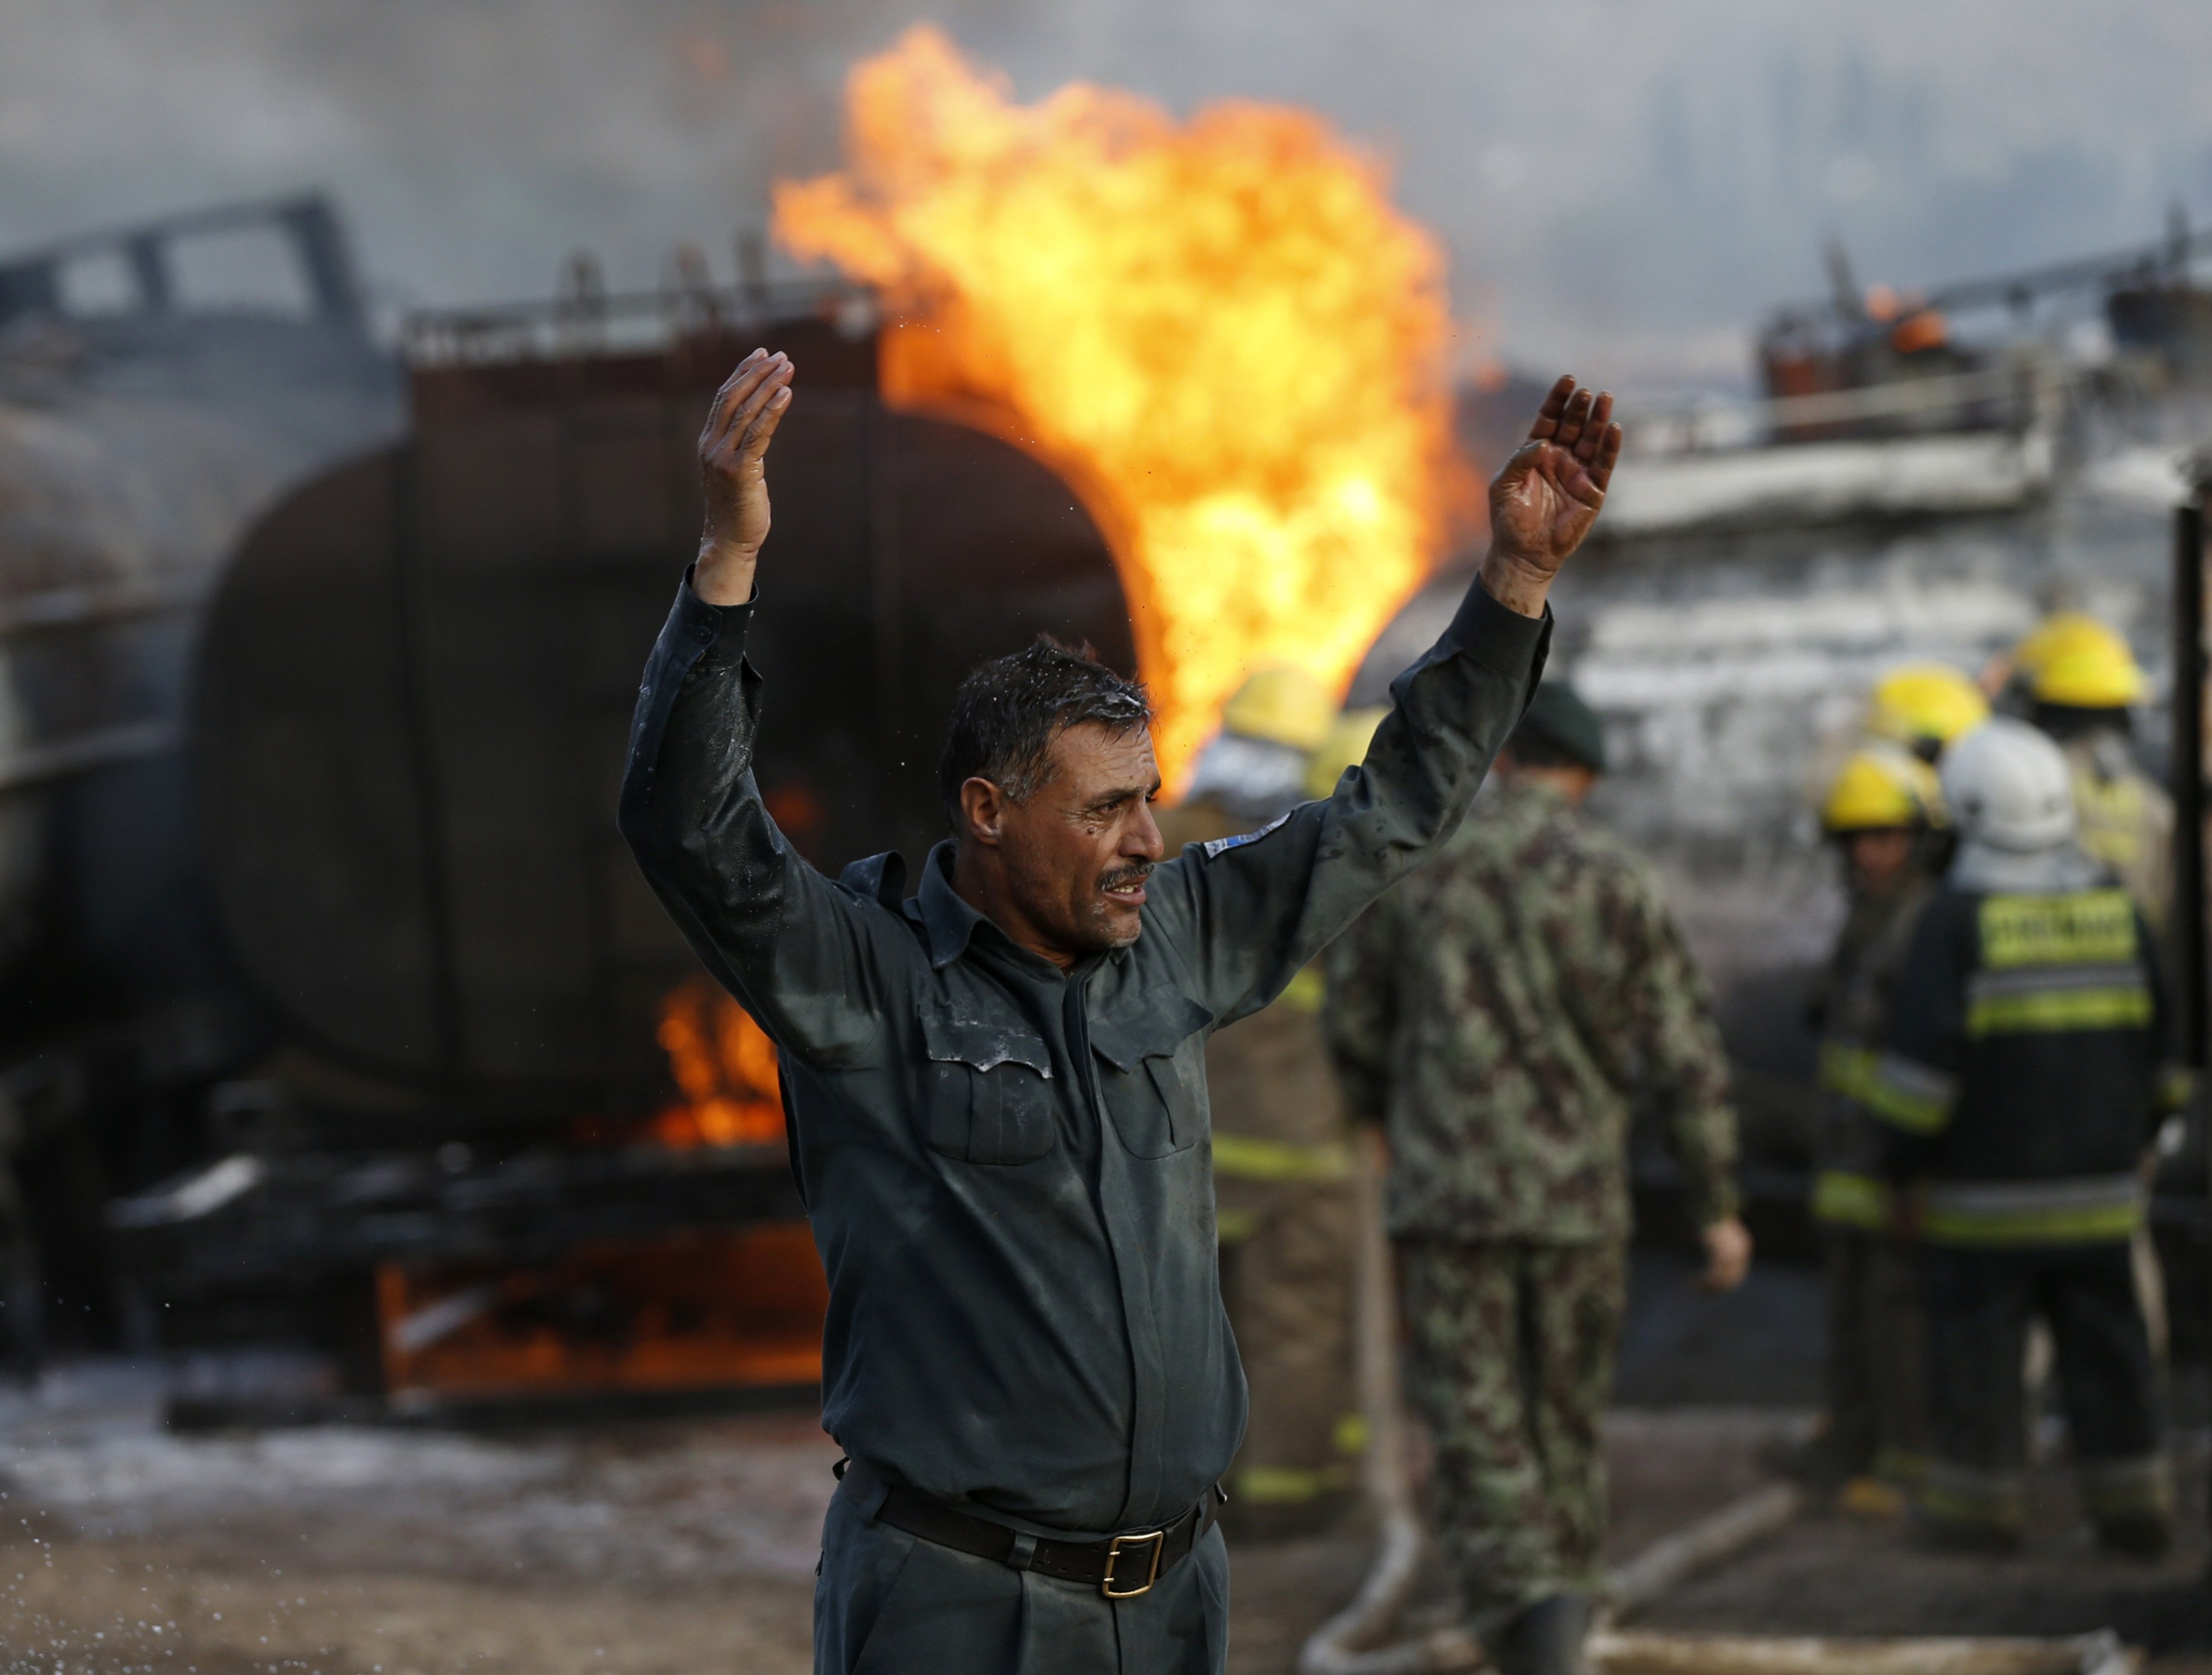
(1559, 724)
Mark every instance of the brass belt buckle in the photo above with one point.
(1123, 1544)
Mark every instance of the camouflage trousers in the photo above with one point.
(1512, 1363)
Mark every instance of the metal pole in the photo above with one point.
(2186, 926)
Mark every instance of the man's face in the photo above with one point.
(1077, 853)
(1876, 860)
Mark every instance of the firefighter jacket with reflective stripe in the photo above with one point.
(2022, 1078)
(2126, 819)
(1849, 1008)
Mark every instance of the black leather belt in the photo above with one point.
(1120, 1567)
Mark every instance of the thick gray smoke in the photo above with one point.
(1625, 182)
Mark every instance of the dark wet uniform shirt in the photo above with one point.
(1008, 1169)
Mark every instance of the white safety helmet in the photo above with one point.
(2006, 787)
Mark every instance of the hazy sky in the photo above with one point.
(1629, 183)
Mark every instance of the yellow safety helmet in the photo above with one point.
(2060, 632)
(1925, 706)
(2095, 674)
(1345, 747)
(1284, 706)
(1881, 788)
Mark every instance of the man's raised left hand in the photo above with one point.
(1547, 496)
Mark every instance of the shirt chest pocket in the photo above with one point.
(990, 1097)
(1153, 1073)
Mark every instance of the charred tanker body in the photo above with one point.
(160, 386)
(410, 724)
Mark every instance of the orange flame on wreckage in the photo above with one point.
(1220, 331)
(725, 1067)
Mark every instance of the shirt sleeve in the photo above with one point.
(1683, 1062)
(1245, 914)
(1362, 1013)
(1914, 1085)
(807, 957)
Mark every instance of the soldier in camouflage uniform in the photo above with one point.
(1500, 1013)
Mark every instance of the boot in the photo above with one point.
(1546, 1638)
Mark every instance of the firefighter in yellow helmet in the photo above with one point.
(1923, 707)
(1282, 1159)
(2019, 1083)
(1344, 746)
(1884, 811)
(2057, 634)
(2084, 683)
(1255, 766)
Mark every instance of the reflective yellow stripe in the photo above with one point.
(1234, 1227)
(1280, 1485)
(2085, 927)
(2128, 1488)
(1988, 1500)
(2112, 1224)
(2050, 1011)
(2177, 1086)
(1846, 1069)
(1851, 1201)
(2095, 1209)
(1244, 1158)
(1901, 1466)
(1306, 991)
(1909, 1096)
(2110, 813)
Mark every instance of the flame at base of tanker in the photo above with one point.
(1221, 331)
(724, 1064)
(724, 1309)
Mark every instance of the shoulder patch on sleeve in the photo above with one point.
(1219, 845)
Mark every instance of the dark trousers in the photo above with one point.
(1979, 1304)
(1877, 1394)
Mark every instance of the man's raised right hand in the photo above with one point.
(751, 404)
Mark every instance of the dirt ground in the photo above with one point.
(652, 1548)
(1835, 1574)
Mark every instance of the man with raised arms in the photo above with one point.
(996, 1084)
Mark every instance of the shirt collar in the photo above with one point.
(947, 920)
(951, 923)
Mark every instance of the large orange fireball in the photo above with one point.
(1221, 331)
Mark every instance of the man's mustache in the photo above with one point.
(1135, 872)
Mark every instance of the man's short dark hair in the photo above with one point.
(1008, 711)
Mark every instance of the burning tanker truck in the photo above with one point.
(502, 1140)
(464, 1171)
(507, 1141)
